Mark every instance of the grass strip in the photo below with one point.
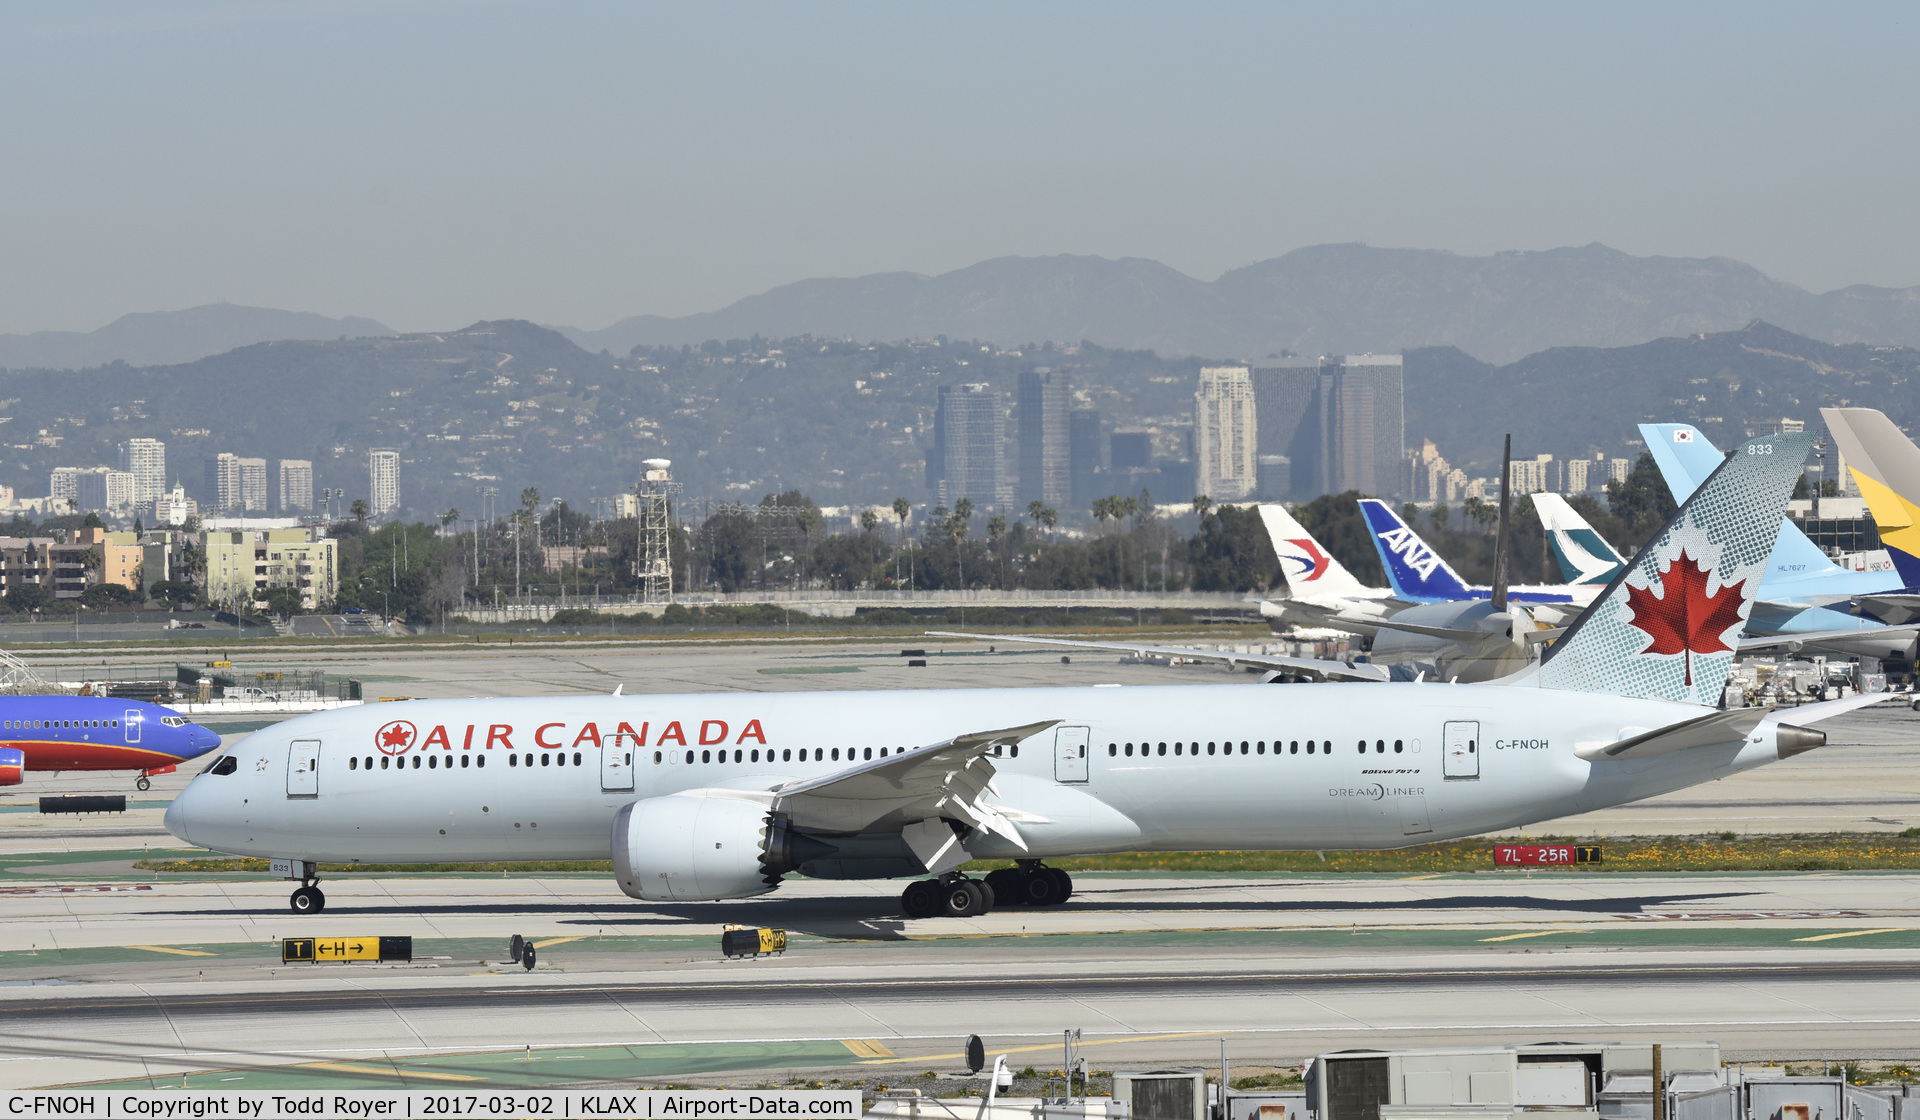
(1635, 855)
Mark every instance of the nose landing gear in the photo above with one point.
(308, 900)
(143, 783)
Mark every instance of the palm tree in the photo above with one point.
(997, 528)
(957, 529)
(360, 510)
(1102, 509)
(901, 508)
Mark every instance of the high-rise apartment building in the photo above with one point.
(63, 487)
(1362, 424)
(146, 460)
(1225, 434)
(968, 460)
(222, 489)
(296, 485)
(1046, 450)
(383, 481)
(104, 490)
(1575, 481)
(1130, 451)
(253, 484)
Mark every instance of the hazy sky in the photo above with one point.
(434, 164)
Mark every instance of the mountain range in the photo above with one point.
(159, 338)
(1323, 299)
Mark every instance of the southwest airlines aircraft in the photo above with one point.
(717, 796)
(92, 733)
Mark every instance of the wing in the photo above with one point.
(1331, 670)
(945, 780)
(1794, 640)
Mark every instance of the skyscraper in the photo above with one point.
(1046, 452)
(296, 485)
(146, 460)
(1225, 434)
(968, 460)
(1083, 455)
(253, 484)
(1286, 398)
(383, 480)
(1362, 424)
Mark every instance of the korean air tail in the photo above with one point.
(1584, 555)
(1415, 570)
(1886, 467)
(1310, 570)
(1668, 626)
(1796, 568)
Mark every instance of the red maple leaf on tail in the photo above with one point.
(1684, 618)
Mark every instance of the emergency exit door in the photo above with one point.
(1462, 757)
(1070, 753)
(303, 768)
(616, 763)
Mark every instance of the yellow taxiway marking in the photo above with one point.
(175, 952)
(866, 1048)
(1053, 1047)
(1417, 878)
(1849, 933)
(1531, 933)
(344, 1067)
(556, 941)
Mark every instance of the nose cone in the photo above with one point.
(176, 818)
(200, 740)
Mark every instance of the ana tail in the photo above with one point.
(1668, 625)
(1413, 568)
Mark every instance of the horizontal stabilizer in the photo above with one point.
(1715, 727)
(1794, 640)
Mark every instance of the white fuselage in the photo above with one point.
(1211, 766)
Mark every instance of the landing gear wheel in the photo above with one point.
(921, 899)
(1005, 884)
(964, 898)
(308, 900)
(1040, 888)
(143, 784)
(527, 956)
(1063, 883)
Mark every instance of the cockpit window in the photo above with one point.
(174, 721)
(227, 765)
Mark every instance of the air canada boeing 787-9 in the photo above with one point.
(717, 796)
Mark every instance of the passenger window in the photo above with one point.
(513, 760)
(416, 762)
(384, 760)
(1113, 750)
(546, 760)
(353, 763)
(1163, 750)
(883, 752)
(867, 755)
(706, 756)
(1209, 748)
(786, 756)
(1309, 746)
(656, 758)
(432, 762)
(465, 762)
(576, 758)
(1014, 750)
(1178, 748)
(1398, 746)
(836, 754)
(480, 763)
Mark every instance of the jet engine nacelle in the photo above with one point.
(698, 848)
(13, 766)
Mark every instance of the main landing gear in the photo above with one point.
(308, 899)
(955, 896)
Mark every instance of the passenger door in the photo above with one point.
(1070, 753)
(1462, 758)
(616, 763)
(303, 768)
(131, 725)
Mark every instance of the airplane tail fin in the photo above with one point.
(1669, 624)
(1886, 466)
(1584, 555)
(1686, 457)
(1310, 570)
(1413, 568)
